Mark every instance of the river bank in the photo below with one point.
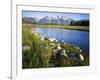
(80, 28)
(39, 51)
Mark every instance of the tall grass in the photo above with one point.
(35, 57)
(40, 54)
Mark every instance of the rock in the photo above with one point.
(81, 57)
(32, 31)
(77, 48)
(55, 51)
(42, 38)
(35, 33)
(56, 41)
(24, 48)
(52, 39)
(61, 58)
(52, 44)
(59, 47)
(81, 50)
(63, 53)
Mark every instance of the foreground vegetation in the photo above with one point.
(42, 53)
(80, 28)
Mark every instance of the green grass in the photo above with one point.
(80, 28)
(36, 57)
(41, 57)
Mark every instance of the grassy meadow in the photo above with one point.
(37, 53)
(80, 28)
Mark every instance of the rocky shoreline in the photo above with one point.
(60, 53)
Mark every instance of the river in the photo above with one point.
(74, 37)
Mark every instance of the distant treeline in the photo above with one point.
(80, 23)
(62, 21)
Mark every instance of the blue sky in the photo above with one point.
(75, 16)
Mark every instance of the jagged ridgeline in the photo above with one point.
(55, 20)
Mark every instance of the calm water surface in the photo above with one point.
(78, 38)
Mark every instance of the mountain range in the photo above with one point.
(55, 20)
